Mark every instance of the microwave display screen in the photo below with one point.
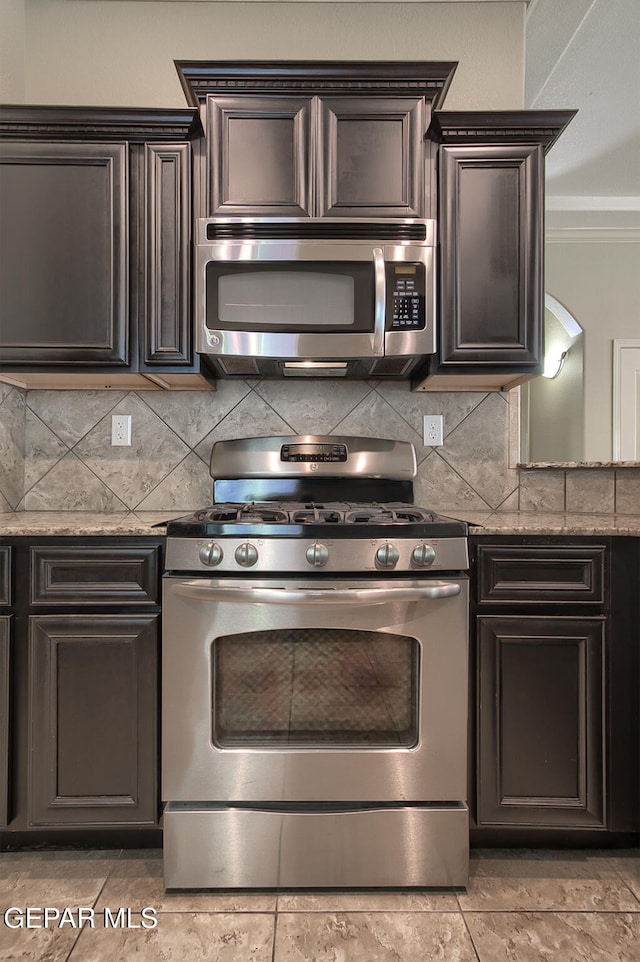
(290, 296)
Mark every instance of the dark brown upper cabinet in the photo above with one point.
(371, 157)
(95, 246)
(491, 238)
(316, 139)
(259, 157)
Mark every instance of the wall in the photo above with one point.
(12, 51)
(71, 465)
(598, 281)
(554, 406)
(119, 53)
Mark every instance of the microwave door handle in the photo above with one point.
(381, 301)
(206, 591)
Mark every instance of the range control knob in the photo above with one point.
(246, 554)
(210, 554)
(387, 555)
(317, 555)
(423, 555)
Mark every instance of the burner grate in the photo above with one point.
(324, 513)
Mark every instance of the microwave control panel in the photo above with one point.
(406, 293)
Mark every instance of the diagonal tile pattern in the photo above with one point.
(314, 406)
(55, 450)
(71, 485)
(570, 906)
(45, 449)
(72, 414)
(12, 445)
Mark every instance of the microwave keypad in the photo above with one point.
(407, 309)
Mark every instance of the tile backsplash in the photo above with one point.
(56, 453)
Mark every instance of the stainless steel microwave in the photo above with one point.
(315, 296)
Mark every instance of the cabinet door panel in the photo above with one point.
(5, 625)
(5, 575)
(167, 319)
(64, 253)
(491, 255)
(372, 157)
(92, 698)
(539, 575)
(85, 575)
(540, 721)
(259, 155)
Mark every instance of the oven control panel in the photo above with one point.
(314, 452)
(269, 556)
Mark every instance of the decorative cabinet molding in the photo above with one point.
(201, 79)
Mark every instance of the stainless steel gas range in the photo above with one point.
(314, 708)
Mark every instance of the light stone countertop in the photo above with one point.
(79, 523)
(552, 523)
(578, 465)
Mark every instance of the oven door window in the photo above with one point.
(315, 687)
(290, 297)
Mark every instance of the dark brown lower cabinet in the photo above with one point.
(92, 737)
(554, 713)
(79, 714)
(540, 721)
(5, 624)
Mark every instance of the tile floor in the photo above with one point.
(520, 906)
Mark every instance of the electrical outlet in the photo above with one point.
(121, 429)
(433, 428)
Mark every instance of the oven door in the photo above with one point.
(282, 691)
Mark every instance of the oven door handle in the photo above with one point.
(381, 301)
(332, 596)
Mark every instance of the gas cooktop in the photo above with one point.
(335, 519)
(299, 521)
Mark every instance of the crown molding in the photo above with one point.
(428, 79)
(102, 124)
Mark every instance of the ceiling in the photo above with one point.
(585, 54)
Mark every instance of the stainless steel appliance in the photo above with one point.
(315, 296)
(314, 706)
